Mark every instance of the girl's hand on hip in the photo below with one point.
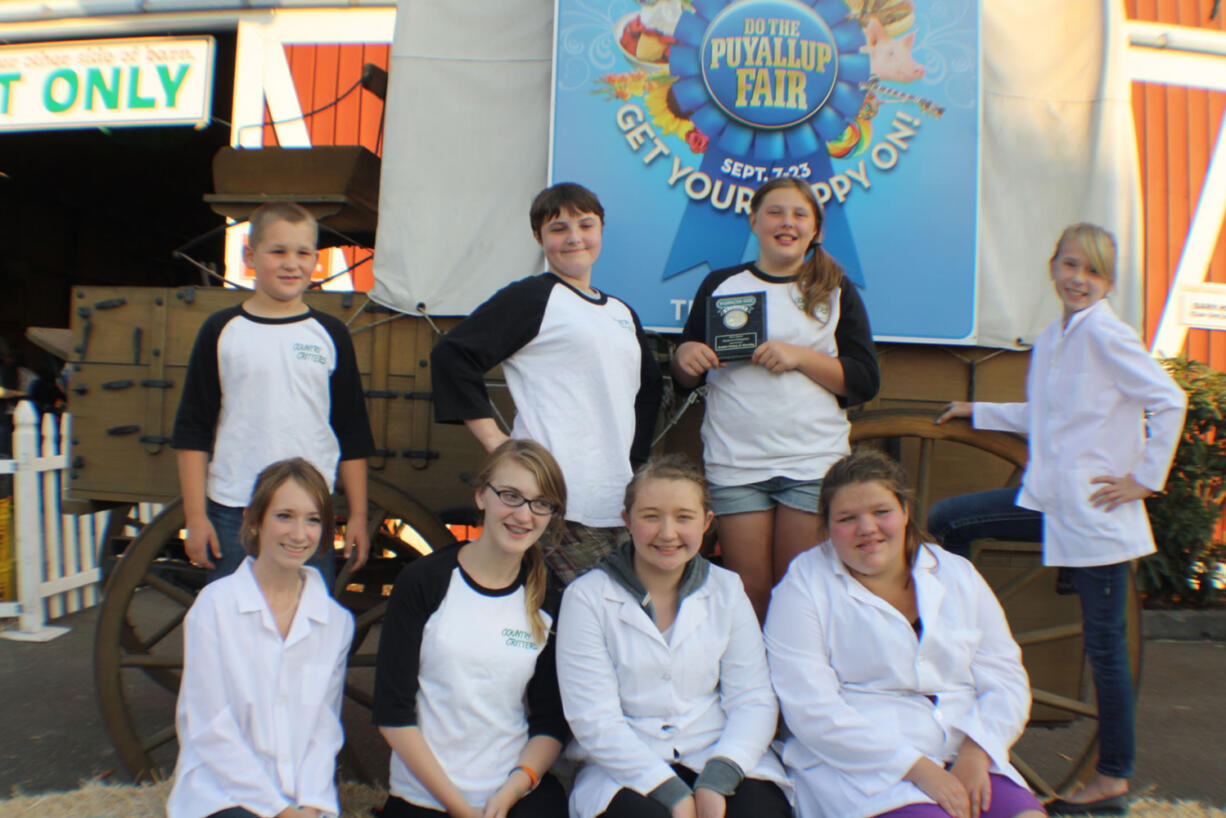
(941, 786)
(693, 358)
(709, 803)
(956, 409)
(777, 357)
(971, 768)
(1116, 491)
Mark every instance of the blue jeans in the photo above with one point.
(228, 523)
(1103, 590)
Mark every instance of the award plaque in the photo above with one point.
(736, 324)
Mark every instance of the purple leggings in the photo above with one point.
(1008, 799)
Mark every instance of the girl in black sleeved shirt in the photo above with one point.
(466, 692)
(775, 423)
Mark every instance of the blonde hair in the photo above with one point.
(820, 275)
(548, 475)
(266, 484)
(667, 467)
(271, 212)
(1098, 245)
(871, 466)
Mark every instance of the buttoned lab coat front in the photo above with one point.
(258, 717)
(854, 681)
(1088, 389)
(637, 702)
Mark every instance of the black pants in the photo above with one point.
(546, 801)
(754, 798)
(234, 812)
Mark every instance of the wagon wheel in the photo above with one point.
(138, 646)
(115, 538)
(1047, 626)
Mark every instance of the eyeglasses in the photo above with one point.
(512, 498)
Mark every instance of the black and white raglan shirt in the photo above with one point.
(758, 425)
(459, 662)
(582, 376)
(259, 390)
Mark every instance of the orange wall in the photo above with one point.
(321, 73)
(1176, 132)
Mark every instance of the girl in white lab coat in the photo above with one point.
(258, 717)
(663, 672)
(900, 684)
(1103, 419)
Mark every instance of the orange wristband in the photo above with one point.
(532, 776)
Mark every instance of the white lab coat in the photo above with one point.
(853, 681)
(638, 703)
(1088, 390)
(258, 717)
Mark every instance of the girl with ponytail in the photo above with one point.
(776, 422)
(466, 693)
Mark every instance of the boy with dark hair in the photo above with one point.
(579, 368)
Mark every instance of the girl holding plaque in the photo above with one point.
(776, 420)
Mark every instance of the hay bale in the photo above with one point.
(98, 799)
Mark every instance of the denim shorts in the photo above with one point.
(765, 495)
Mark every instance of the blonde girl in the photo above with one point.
(900, 684)
(258, 717)
(466, 693)
(775, 422)
(1103, 419)
(663, 672)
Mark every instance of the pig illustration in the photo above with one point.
(890, 57)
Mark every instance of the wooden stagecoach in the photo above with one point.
(129, 357)
(131, 347)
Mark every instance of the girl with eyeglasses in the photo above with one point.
(466, 693)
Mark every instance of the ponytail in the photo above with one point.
(820, 275)
(534, 591)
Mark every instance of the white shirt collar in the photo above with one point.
(314, 604)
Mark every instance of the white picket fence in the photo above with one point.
(56, 554)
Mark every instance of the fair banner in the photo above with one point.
(106, 83)
(675, 111)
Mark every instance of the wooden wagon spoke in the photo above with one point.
(163, 736)
(1039, 636)
(1035, 780)
(370, 617)
(1063, 703)
(360, 696)
(164, 631)
(169, 589)
(923, 481)
(150, 660)
(1006, 591)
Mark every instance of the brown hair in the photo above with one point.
(820, 275)
(266, 484)
(548, 475)
(667, 467)
(271, 212)
(871, 466)
(563, 196)
(1098, 245)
